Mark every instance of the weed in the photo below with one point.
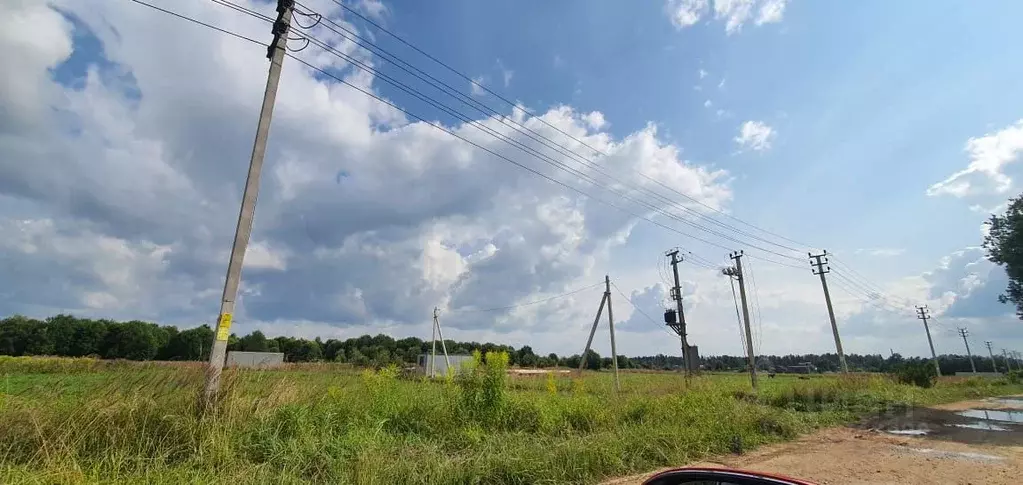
(81, 420)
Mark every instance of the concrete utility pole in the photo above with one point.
(275, 53)
(737, 273)
(923, 314)
(1008, 363)
(965, 333)
(606, 298)
(676, 294)
(994, 364)
(611, 326)
(444, 347)
(818, 268)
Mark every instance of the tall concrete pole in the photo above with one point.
(593, 330)
(247, 212)
(611, 324)
(1008, 363)
(443, 346)
(965, 333)
(994, 364)
(433, 350)
(821, 270)
(737, 257)
(677, 294)
(922, 314)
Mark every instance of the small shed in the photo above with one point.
(425, 361)
(258, 360)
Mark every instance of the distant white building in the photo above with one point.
(424, 362)
(261, 360)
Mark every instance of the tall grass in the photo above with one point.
(139, 424)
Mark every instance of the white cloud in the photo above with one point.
(989, 155)
(477, 86)
(595, 120)
(506, 74)
(707, 104)
(373, 8)
(703, 73)
(755, 135)
(685, 13)
(882, 252)
(771, 11)
(735, 13)
(142, 196)
(259, 255)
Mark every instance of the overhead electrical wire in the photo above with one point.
(699, 261)
(641, 312)
(535, 302)
(514, 143)
(515, 125)
(514, 105)
(759, 338)
(738, 318)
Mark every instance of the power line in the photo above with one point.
(641, 312)
(487, 111)
(522, 147)
(473, 310)
(504, 138)
(705, 263)
(738, 318)
(756, 304)
(514, 105)
(204, 24)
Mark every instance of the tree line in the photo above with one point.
(69, 336)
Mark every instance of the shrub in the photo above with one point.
(920, 374)
(482, 385)
(1015, 377)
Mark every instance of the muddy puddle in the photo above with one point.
(972, 426)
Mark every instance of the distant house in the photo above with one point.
(425, 361)
(801, 368)
(261, 360)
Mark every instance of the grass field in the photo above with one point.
(84, 421)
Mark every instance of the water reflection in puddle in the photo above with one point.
(909, 432)
(981, 426)
(991, 415)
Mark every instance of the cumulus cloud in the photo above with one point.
(685, 13)
(755, 135)
(476, 86)
(985, 174)
(506, 74)
(881, 252)
(735, 13)
(365, 220)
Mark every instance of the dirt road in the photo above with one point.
(975, 442)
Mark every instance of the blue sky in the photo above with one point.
(884, 132)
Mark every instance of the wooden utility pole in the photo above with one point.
(994, 364)
(965, 333)
(1008, 363)
(680, 327)
(737, 273)
(444, 347)
(923, 314)
(818, 268)
(605, 299)
(243, 229)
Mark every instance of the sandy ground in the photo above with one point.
(869, 456)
